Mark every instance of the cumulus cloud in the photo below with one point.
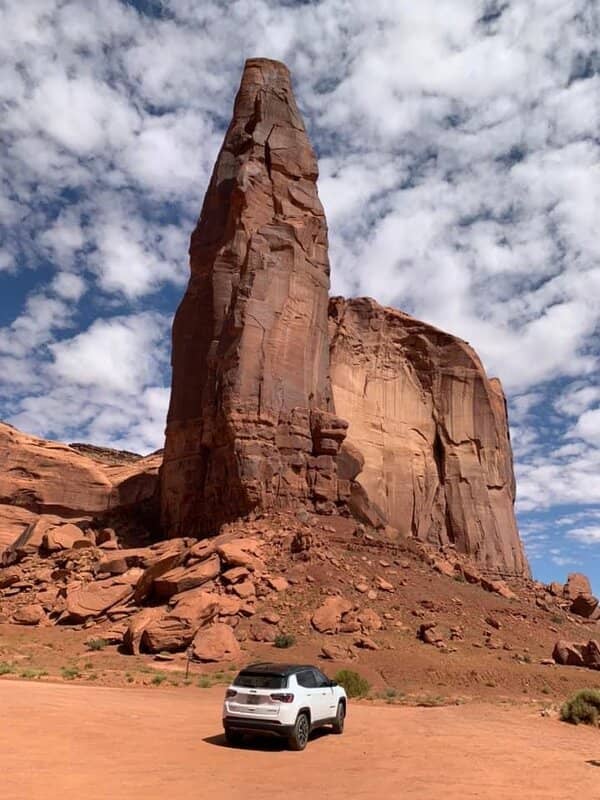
(120, 354)
(459, 166)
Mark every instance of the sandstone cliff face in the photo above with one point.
(41, 477)
(432, 430)
(250, 422)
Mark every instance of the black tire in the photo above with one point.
(299, 738)
(340, 717)
(233, 738)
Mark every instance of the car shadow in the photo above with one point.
(594, 762)
(269, 744)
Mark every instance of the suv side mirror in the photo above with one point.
(332, 683)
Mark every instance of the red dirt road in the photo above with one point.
(74, 742)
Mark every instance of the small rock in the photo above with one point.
(366, 644)
(383, 585)
(271, 617)
(278, 584)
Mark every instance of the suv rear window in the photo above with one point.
(256, 680)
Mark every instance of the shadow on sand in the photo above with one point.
(266, 743)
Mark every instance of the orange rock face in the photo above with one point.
(40, 477)
(250, 422)
(432, 429)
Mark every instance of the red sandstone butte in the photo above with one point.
(432, 429)
(250, 423)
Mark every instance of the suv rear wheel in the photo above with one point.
(299, 737)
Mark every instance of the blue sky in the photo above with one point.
(460, 172)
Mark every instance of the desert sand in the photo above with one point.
(74, 742)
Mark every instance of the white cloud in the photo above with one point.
(121, 354)
(459, 171)
(68, 285)
(589, 535)
(588, 426)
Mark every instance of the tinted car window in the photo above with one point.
(255, 680)
(306, 679)
(321, 680)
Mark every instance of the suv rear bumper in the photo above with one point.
(244, 725)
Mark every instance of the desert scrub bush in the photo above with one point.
(6, 668)
(431, 701)
(583, 706)
(96, 644)
(32, 673)
(354, 684)
(158, 679)
(204, 682)
(283, 640)
(70, 673)
(556, 619)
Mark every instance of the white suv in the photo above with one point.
(287, 700)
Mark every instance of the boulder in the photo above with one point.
(334, 652)
(241, 553)
(65, 537)
(576, 584)
(175, 630)
(120, 561)
(9, 576)
(182, 579)
(278, 584)
(568, 654)
(31, 614)
(137, 625)
(163, 564)
(235, 575)
(498, 587)
(585, 605)
(369, 620)
(216, 643)
(327, 618)
(94, 599)
(246, 589)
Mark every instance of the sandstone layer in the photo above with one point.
(432, 429)
(250, 423)
(45, 478)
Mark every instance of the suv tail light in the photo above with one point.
(230, 693)
(283, 698)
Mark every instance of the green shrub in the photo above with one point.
(96, 644)
(583, 706)
(5, 668)
(354, 684)
(28, 674)
(431, 701)
(204, 682)
(158, 679)
(283, 640)
(70, 673)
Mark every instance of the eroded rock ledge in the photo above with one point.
(432, 429)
